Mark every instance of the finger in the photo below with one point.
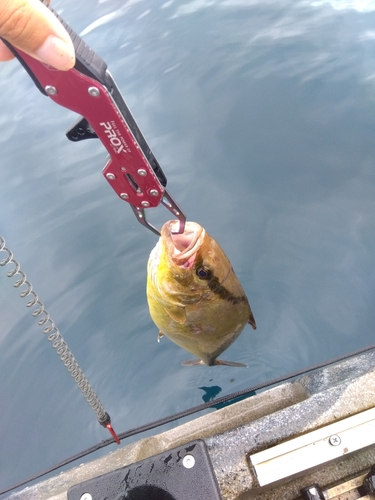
(31, 27)
(5, 53)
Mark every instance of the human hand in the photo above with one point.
(31, 27)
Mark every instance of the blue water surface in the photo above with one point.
(261, 114)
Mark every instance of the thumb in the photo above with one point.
(31, 27)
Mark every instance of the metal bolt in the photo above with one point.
(50, 90)
(154, 192)
(142, 172)
(110, 176)
(94, 91)
(188, 461)
(334, 440)
(124, 196)
(86, 496)
(145, 204)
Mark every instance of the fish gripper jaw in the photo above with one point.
(171, 205)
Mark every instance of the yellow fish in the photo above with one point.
(195, 299)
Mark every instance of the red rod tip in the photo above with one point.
(114, 435)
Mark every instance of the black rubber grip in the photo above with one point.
(31, 74)
(87, 61)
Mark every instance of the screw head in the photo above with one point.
(188, 461)
(142, 172)
(94, 91)
(111, 177)
(86, 496)
(124, 196)
(154, 192)
(50, 90)
(334, 440)
(145, 204)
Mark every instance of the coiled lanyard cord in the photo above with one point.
(55, 337)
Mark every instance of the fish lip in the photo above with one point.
(193, 235)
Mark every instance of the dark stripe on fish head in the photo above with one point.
(206, 274)
(217, 288)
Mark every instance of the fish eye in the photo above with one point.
(203, 272)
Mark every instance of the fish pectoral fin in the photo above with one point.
(251, 320)
(229, 363)
(218, 362)
(192, 362)
(177, 313)
(160, 336)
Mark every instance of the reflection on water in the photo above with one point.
(261, 116)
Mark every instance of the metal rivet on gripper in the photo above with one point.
(50, 90)
(94, 91)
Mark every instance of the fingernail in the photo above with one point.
(57, 53)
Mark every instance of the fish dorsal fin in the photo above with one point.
(177, 313)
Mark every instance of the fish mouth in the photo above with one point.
(182, 248)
